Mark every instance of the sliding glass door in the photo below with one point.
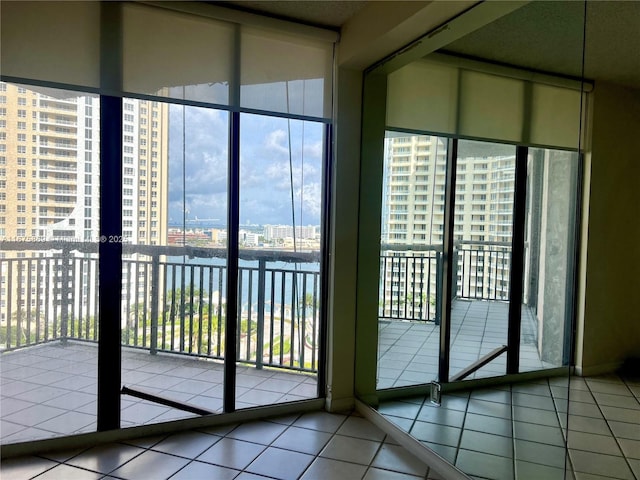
(278, 331)
(481, 257)
(181, 207)
(509, 259)
(411, 258)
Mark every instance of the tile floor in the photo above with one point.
(50, 390)
(519, 431)
(309, 446)
(408, 351)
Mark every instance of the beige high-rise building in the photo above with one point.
(50, 165)
(50, 190)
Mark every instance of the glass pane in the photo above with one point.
(483, 225)
(279, 268)
(549, 253)
(411, 259)
(174, 199)
(49, 197)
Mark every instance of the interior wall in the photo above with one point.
(610, 332)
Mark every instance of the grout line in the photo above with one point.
(513, 432)
(622, 454)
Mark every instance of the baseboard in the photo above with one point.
(601, 369)
(422, 452)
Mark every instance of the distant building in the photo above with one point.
(275, 232)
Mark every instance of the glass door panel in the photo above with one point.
(49, 210)
(174, 260)
(277, 341)
(482, 228)
(411, 259)
(548, 258)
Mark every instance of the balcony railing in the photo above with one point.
(173, 300)
(411, 277)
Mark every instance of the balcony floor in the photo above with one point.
(408, 350)
(50, 390)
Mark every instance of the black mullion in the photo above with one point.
(448, 258)
(233, 225)
(110, 263)
(574, 239)
(517, 261)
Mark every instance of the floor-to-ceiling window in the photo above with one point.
(210, 239)
(49, 199)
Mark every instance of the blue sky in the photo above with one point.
(265, 174)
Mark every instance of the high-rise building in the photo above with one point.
(49, 188)
(413, 221)
(49, 166)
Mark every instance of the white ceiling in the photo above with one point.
(333, 13)
(542, 35)
(548, 36)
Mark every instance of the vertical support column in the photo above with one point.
(369, 220)
(447, 263)
(155, 300)
(517, 261)
(438, 290)
(325, 235)
(110, 247)
(262, 266)
(233, 225)
(64, 295)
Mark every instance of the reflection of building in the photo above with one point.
(413, 216)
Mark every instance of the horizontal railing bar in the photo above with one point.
(167, 250)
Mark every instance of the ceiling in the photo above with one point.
(548, 36)
(542, 35)
(323, 13)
